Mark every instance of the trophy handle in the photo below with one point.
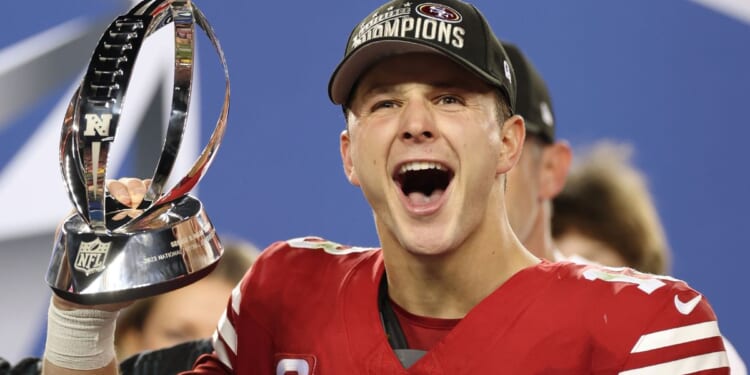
(99, 104)
(100, 98)
(70, 164)
(200, 166)
(184, 41)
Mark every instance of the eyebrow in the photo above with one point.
(386, 87)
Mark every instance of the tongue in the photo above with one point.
(418, 198)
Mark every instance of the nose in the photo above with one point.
(418, 122)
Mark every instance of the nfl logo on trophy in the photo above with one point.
(91, 256)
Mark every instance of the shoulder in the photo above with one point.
(299, 263)
(321, 244)
(649, 319)
(620, 279)
(313, 249)
(287, 278)
(613, 293)
(639, 295)
(618, 282)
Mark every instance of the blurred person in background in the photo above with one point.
(607, 215)
(540, 173)
(185, 314)
(541, 180)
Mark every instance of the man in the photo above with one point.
(428, 96)
(541, 172)
(536, 185)
(188, 313)
(607, 214)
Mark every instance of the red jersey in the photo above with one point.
(309, 306)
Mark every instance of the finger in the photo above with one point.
(136, 188)
(119, 191)
(131, 213)
(120, 215)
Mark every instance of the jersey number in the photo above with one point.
(646, 283)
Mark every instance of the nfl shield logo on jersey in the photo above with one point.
(91, 256)
(295, 366)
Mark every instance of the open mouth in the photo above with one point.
(423, 182)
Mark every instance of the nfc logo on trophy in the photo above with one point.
(97, 124)
(91, 256)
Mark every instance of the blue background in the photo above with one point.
(670, 77)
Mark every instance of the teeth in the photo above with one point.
(420, 166)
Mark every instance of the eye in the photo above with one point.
(449, 99)
(383, 104)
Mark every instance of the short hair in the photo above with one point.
(503, 107)
(607, 199)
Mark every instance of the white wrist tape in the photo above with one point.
(80, 339)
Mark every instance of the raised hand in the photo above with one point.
(129, 192)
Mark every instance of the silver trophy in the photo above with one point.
(169, 241)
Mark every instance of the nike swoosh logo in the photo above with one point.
(685, 308)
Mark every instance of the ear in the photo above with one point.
(346, 158)
(512, 136)
(555, 165)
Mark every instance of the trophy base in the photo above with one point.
(168, 247)
(136, 293)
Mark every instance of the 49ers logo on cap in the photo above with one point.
(439, 12)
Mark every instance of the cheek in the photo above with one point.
(487, 140)
(368, 153)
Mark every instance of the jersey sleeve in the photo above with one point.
(239, 331)
(223, 359)
(683, 337)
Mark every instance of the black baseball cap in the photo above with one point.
(452, 28)
(533, 100)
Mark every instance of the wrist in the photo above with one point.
(80, 339)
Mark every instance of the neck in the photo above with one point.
(539, 240)
(450, 284)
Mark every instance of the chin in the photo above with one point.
(422, 236)
(428, 244)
